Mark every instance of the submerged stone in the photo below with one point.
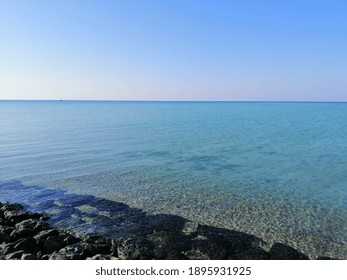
(134, 249)
(281, 251)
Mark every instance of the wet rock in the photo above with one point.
(196, 254)
(22, 233)
(51, 244)
(6, 248)
(11, 207)
(284, 252)
(324, 258)
(255, 253)
(44, 257)
(4, 237)
(102, 257)
(6, 229)
(13, 217)
(14, 256)
(74, 252)
(59, 256)
(114, 245)
(32, 224)
(170, 245)
(134, 249)
(27, 245)
(99, 248)
(70, 239)
(217, 243)
(98, 257)
(92, 238)
(44, 218)
(29, 257)
(16, 215)
(43, 235)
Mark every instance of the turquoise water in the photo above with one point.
(274, 170)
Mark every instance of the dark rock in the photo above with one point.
(5, 252)
(196, 254)
(15, 255)
(28, 245)
(59, 256)
(255, 253)
(170, 245)
(4, 237)
(324, 258)
(135, 249)
(114, 246)
(44, 218)
(51, 244)
(75, 251)
(218, 243)
(32, 224)
(92, 238)
(22, 233)
(41, 226)
(43, 235)
(100, 257)
(11, 207)
(98, 248)
(7, 249)
(16, 215)
(70, 239)
(284, 252)
(44, 257)
(29, 257)
(6, 229)
(71, 252)
(63, 234)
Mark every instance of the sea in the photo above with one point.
(276, 170)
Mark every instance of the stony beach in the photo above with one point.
(29, 236)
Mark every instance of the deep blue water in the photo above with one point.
(275, 170)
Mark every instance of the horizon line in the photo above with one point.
(139, 100)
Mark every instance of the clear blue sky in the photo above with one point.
(174, 50)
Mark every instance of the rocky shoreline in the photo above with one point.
(29, 236)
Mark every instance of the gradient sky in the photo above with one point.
(174, 50)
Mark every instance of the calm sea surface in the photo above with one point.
(274, 170)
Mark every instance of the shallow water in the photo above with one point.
(274, 170)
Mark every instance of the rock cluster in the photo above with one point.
(28, 236)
